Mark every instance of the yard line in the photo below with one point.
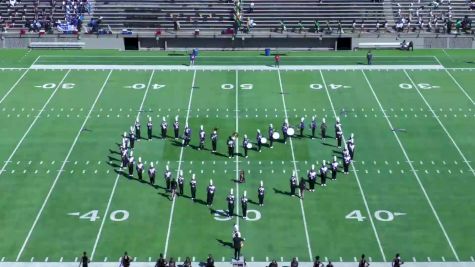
(117, 178)
(32, 124)
(179, 166)
(237, 151)
(36, 60)
(61, 169)
(295, 169)
(460, 86)
(357, 178)
(14, 86)
(412, 168)
(441, 124)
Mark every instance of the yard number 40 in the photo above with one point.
(380, 215)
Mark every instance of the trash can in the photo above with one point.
(267, 52)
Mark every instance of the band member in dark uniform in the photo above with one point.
(285, 127)
(149, 128)
(202, 136)
(334, 167)
(317, 262)
(137, 129)
(125, 158)
(302, 187)
(271, 136)
(210, 193)
(167, 175)
(245, 143)
(187, 137)
(139, 168)
(293, 183)
(230, 199)
(338, 132)
(161, 262)
(313, 126)
(131, 163)
(193, 187)
(176, 127)
(312, 178)
(242, 179)
(302, 126)
(260, 194)
(164, 127)
(152, 173)
(237, 245)
(126, 260)
(84, 260)
(214, 140)
(323, 174)
(173, 186)
(210, 261)
(132, 138)
(351, 145)
(181, 182)
(323, 129)
(244, 201)
(363, 262)
(397, 262)
(259, 140)
(230, 147)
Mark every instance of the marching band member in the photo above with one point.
(164, 127)
(202, 136)
(187, 135)
(312, 178)
(167, 175)
(302, 187)
(193, 187)
(351, 145)
(173, 186)
(260, 194)
(230, 199)
(244, 201)
(137, 129)
(176, 127)
(139, 168)
(245, 143)
(334, 167)
(132, 138)
(285, 127)
(313, 126)
(302, 126)
(346, 163)
(323, 129)
(323, 174)
(230, 147)
(131, 163)
(210, 193)
(293, 183)
(181, 182)
(151, 173)
(338, 132)
(214, 140)
(149, 128)
(271, 136)
(259, 140)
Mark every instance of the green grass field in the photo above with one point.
(410, 189)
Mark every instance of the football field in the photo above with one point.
(409, 190)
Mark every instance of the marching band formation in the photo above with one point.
(129, 164)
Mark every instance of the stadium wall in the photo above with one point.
(150, 42)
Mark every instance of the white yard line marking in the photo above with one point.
(62, 167)
(237, 150)
(412, 168)
(441, 124)
(32, 124)
(356, 176)
(106, 213)
(36, 60)
(13, 86)
(295, 168)
(460, 86)
(179, 166)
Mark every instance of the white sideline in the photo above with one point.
(295, 169)
(237, 67)
(412, 168)
(356, 176)
(117, 178)
(179, 168)
(62, 167)
(33, 123)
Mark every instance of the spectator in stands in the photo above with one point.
(316, 25)
(340, 28)
(283, 27)
(300, 26)
(362, 26)
(294, 262)
(251, 7)
(176, 25)
(329, 29)
(378, 26)
(353, 26)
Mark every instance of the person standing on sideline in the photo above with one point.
(302, 187)
(397, 262)
(317, 262)
(369, 57)
(161, 262)
(187, 262)
(237, 244)
(294, 263)
(84, 260)
(363, 262)
(273, 264)
(210, 261)
(277, 60)
(192, 59)
(126, 260)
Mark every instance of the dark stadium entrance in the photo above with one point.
(131, 43)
